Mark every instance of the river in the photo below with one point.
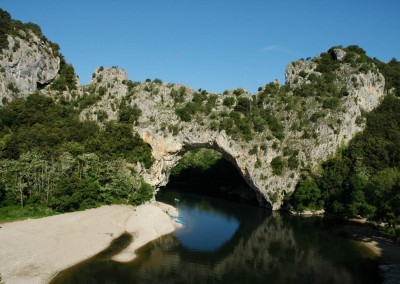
(227, 242)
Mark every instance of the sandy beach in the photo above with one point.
(35, 250)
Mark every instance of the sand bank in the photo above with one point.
(381, 246)
(34, 251)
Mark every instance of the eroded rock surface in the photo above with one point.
(27, 64)
(325, 129)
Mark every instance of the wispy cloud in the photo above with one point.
(277, 48)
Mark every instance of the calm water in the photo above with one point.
(225, 242)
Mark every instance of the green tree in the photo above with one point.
(307, 196)
(278, 165)
(385, 191)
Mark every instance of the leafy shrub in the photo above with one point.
(307, 196)
(184, 114)
(229, 101)
(157, 81)
(243, 105)
(278, 165)
(129, 114)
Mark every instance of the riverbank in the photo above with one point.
(34, 251)
(380, 245)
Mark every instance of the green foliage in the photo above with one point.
(66, 79)
(5, 27)
(210, 104)
(118, 141)
(201, 103)
(331, 103)
(13, 213)
(307, 196)
(178, 95)
(143, 194)
(384, 190)
(317, 115)
(238, 92)
(278, 165)
(201, 159)
(184, 114)
(229, 101)
(68, 182)
(102, 115)
(157, 81)
(243, 105)
(87, 100)
(128, 114)
(253, 150)
(293, 162)
(391, 71)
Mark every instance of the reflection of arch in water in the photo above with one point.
(248, 217)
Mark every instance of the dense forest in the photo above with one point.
(51, 159)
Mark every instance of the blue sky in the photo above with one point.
(209, 44)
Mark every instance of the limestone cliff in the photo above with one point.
(313, 125)
(28, 63)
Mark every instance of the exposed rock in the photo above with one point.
(297, 72)
(108, 83)
(339, 54)
(27, 63)
(159, 118)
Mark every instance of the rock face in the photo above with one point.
(28, 63)
(170, 137)
(297, 71)
(307, 124)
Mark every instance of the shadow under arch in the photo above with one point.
(224, 179)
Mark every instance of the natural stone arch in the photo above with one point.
(163, 127)
(168, 152)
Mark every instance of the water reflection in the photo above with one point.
(263, 247)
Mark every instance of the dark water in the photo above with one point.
(225, 242)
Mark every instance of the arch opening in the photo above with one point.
(207, 171)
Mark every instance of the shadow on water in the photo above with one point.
(266, 247)
(82, 272)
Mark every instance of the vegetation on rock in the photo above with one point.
(362, 179)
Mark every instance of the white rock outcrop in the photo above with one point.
(27, 63)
